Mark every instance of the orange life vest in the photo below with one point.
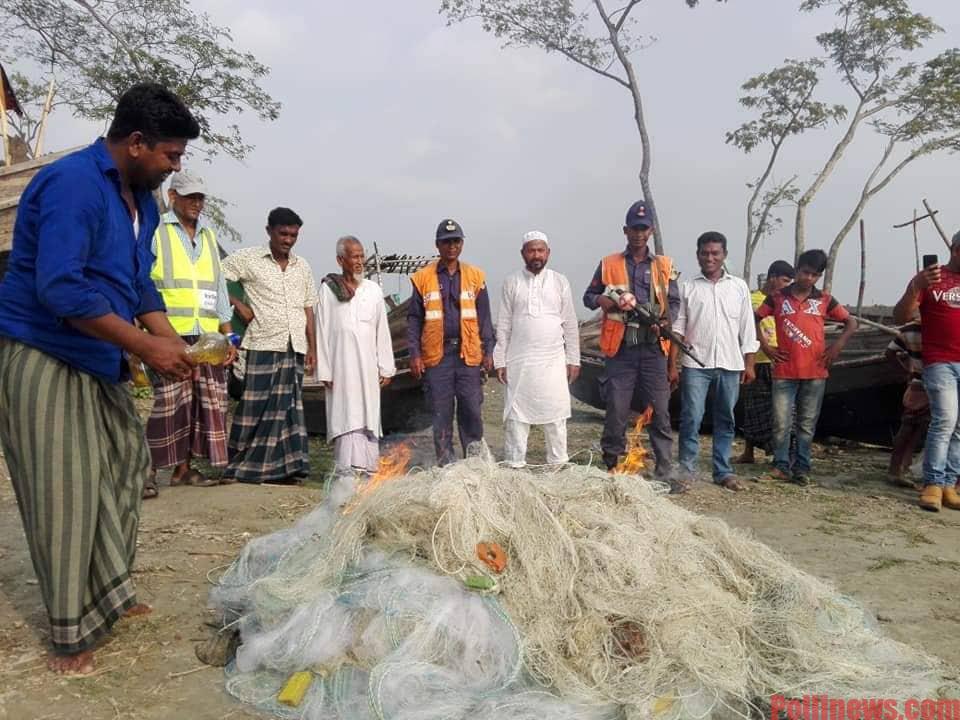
(427, 284)
(614, 276)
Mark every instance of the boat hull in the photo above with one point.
(862, 399)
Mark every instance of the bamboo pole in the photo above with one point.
(3, 124)
(916, 241)
(936, 224)
(38, 148)
(863, 267)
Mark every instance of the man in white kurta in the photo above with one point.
(537, 354)
(354, 359)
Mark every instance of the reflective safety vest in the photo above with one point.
(614, 276)
(189, 289)
(427, 284)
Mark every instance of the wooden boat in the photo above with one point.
(861, 402)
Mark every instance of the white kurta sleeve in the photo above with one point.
(385, 361)
(570, 324)
(324, 334)
(504, 324)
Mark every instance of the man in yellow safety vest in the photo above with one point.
(189, 416)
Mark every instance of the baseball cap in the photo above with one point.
(640, 215)
(186, 183)
(449, 230)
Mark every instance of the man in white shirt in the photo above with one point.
(354, 359)
(716, 319)
(537, 354)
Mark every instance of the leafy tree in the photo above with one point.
(784, 102)
(913, 106)
(93, 50)
(599, 39)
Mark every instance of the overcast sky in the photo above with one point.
(392, 121)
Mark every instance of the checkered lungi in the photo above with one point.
(189, 418)
(757, 399)
(268, 438)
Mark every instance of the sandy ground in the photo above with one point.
(868, 538)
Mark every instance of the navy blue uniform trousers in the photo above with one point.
(453, 380)
(644, 368)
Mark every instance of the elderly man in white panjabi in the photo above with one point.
(537, 354)
(354, 359)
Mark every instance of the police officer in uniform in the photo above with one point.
(451, 337)
(636, 355)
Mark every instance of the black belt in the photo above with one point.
(451, 342)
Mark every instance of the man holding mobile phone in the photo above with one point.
(935, 292)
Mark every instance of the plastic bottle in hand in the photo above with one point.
(212, 348)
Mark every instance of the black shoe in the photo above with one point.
(801, 480)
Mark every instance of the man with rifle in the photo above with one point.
(638, 294)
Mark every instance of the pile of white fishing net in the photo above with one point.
(614, 603)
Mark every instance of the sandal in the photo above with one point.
(198, 479)
(732, 483)
(150, 489)
(680, 485)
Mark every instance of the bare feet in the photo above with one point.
(79, 664)
(138, 610)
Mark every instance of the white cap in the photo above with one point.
(186, 183)
(535, 235)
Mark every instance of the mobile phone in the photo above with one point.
(929, 260)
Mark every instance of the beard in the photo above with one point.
(357, 277)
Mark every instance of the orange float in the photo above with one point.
(493, 556)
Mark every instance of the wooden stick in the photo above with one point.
(870, 323)
(3, 123)
(936, 224)
(916, 241)
(171, 676)
(863, 266)
(38, 148)
(915, 219)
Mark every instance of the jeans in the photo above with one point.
(694, 384)
(941, 381)
(805, 397)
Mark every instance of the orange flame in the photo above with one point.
(392, 464)
(633, 461)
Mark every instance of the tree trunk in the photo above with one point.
(638, 115)
(800, 226)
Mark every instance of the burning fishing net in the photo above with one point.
(479, 591)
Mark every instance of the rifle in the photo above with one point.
(644, 316)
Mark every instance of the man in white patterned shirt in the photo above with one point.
(716, 319)
(268, 440)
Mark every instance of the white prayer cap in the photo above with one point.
(535, 235)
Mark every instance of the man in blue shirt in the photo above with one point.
(78, 275)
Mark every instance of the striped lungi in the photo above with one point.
(268, 438)
(75, 451)
(189, 418)
(757, 408)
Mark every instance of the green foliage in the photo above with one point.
(557, 26)
(870, 40)
(783, 102)
(96, 49)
